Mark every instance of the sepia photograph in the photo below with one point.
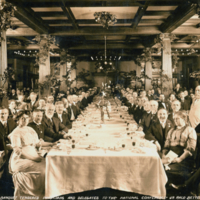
(99, 99)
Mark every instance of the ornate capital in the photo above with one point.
(164, 36)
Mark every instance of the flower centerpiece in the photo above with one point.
(103, 105)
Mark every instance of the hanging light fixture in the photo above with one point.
(106, 19)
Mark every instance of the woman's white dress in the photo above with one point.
(28, 175)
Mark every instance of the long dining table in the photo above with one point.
(103, 155)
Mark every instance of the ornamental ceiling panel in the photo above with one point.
(48, 9)
(120, 12)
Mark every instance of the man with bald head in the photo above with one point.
(176, 106)
(159, 129)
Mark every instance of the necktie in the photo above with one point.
(72, 114)
(60, 116)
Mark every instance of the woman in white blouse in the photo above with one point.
(26, 165)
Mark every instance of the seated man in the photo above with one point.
(162, 103)
(41, 104)
(50, 99)
(139, 110)
(12, 109)
(43, 131)
(146, 118)
(52, 122)
(84, 100)
(71, 109)
(176, 106)
(61, 115)
(21, 105)
(6, 127)
(185, 104)
(33, 102)
(159, 129)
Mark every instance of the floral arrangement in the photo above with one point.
(8, 75)
(6, 12)
(45, 41)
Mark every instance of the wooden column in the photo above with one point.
(166, 63)
(44, 70)
(3, 57)
(63, 70)
(148, 72)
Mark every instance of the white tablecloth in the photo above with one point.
(83, 170)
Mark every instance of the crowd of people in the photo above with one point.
(29, 122)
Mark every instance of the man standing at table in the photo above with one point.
(159, 129)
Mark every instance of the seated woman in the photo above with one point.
(182, 141)
(26, 165)
(12, 109)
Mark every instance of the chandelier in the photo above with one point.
(105, 18)
(104, 62)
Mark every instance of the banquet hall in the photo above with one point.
(99, 99)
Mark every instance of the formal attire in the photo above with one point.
(139, 111)
(21, 105)
(171, 118)
(158, 132)
(179, 141)
(185, 104)
(33, 105)
(45, 133)
(64, 119)
(72, 112)
(13, 96)
(54, 124)
(28, 175)
(147, 120)
(164, 105)
(84, 102)
(12, 113)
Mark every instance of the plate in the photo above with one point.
(118, 149)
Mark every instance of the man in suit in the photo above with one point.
(6, 127)
(33, 103)
(176, 106)
(131, 106)
(72, 109)
(52, 122)
(43, 131)
(139, 110)
(84, 100)
(146, 118)
(162, 103)
(13, 95)
(159, 129)
(61, 115)
(185, 104)
(149, 96)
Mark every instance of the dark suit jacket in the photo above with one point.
(160, 105)
(75, 111)
(32, 107)
(56, 126)
(65, 119)
(147, 120)
(11, 125)
(80, 105)
(45, 133)
(131, 109)
(11, 115)
(185, 105)
(155, 132)
(84, 102)
(150, 97)
(11, 96)
(171, 118)
(138, 114)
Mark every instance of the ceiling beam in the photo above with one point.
(137, 18)
(180, 15)
(152, 30)
(67, 11)
(28, 17)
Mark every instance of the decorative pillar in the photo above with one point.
(73, 75)
(148, 68)
(3, 58)
(63, 70)
(166, 78)
(43, 60)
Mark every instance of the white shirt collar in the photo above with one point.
(36, 123)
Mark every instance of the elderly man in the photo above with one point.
(52, 122)
(43, 131)
(139, 110)
(61, 115)
(159, 129)
(176, 106)
(50, 99)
